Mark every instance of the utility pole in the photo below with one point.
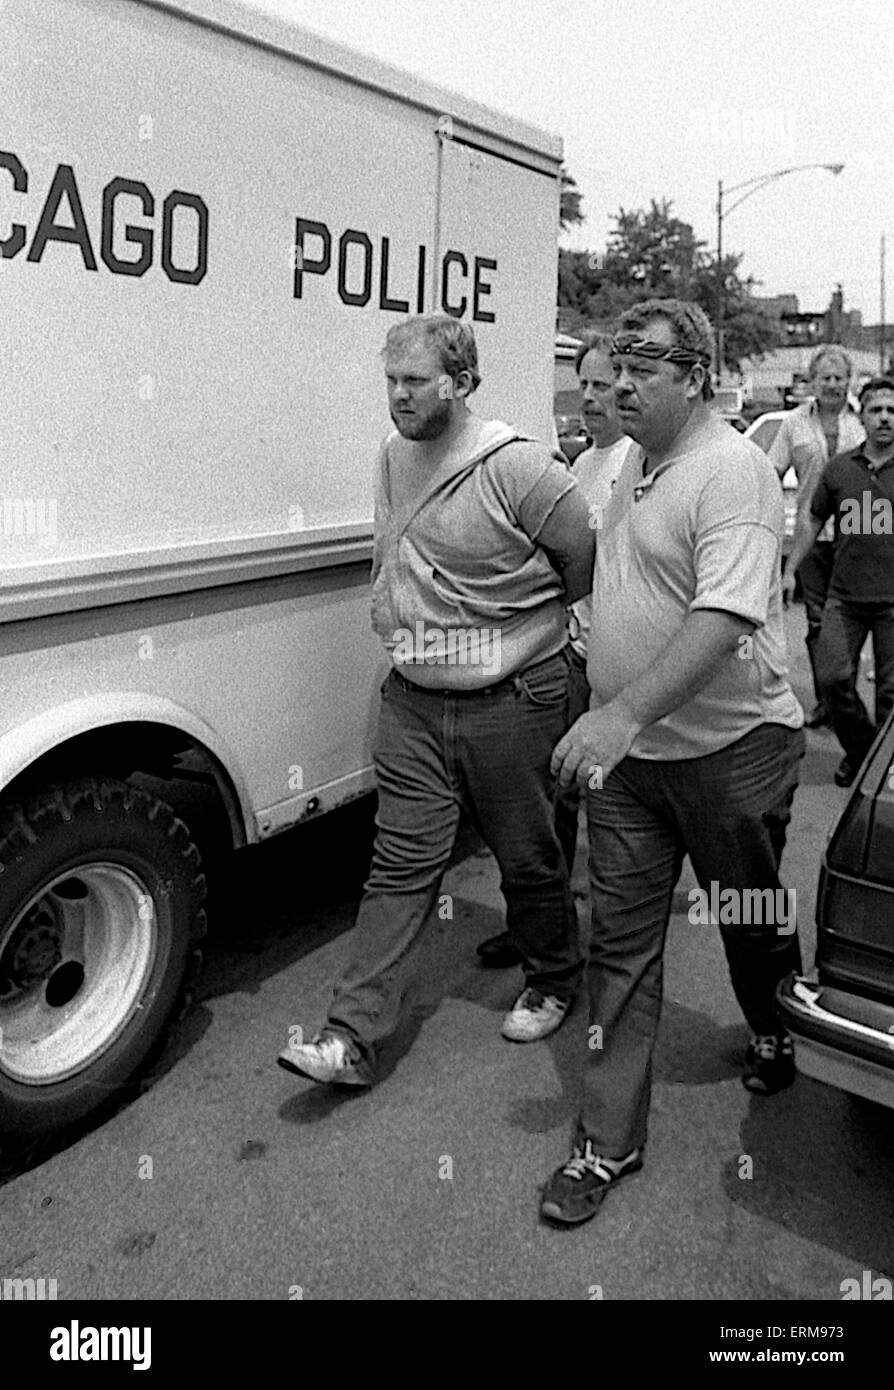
(752, 186)
(881, 330)
(718, 326)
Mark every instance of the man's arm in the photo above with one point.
(570, 542)
(813, 513)
(692, 658)
(780, 451)
(806, 532)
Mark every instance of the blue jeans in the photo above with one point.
(729, 811)
(489, 753)
(846, 624)
(815, 574)
(568, 798)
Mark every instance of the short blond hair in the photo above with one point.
(452, 339)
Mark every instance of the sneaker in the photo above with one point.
(331, 1057)
(769, 1064)
(499, 952)
(534, 1015)
(845, 773)
(575, 1191)
(819, 718)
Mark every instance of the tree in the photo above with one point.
(570, 214)
(654, 251)
(747, 330)
(651, 253)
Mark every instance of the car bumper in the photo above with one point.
(840, 1038)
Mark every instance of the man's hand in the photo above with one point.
(788, 588)
(593, 746)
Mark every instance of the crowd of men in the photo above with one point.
(844, 544)
(629, 654)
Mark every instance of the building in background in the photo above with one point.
(781, 376)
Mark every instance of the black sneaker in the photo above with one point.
(575, 1191)
(769, 1065)
(499, 952)
(845, 773)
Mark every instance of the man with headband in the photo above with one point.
(692, 742)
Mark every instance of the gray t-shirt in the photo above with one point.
(463, 592)
(703, 530)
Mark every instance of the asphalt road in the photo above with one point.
(266, 1187)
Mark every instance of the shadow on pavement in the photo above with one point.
(831, 1161)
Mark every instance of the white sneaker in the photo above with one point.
(534, 1015)
(329, 1058)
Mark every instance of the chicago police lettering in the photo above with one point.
(64, 195)
(365, 268)
(355, 259)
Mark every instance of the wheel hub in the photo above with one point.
(33, 952)
(73, 968)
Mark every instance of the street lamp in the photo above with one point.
(752, 186)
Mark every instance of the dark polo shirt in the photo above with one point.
(862, 501)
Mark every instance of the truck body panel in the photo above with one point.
(209, 220)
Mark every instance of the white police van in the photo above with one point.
(208, 221)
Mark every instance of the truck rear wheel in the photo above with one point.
(101, 894)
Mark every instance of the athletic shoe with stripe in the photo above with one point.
(575, 1191)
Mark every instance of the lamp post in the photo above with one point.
(750, 186)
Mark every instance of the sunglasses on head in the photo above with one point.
(628, 345)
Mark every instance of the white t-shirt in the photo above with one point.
(801, 444)
(596, 471)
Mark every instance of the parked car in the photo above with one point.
(573, 438)
(763, 431)
(841, 1016)
(796, 392)
(729, 401)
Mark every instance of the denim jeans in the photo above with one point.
(815, 574)
(846, 624)
(729, 811)
(568, 798)
(489, 753)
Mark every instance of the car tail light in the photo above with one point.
(846, 849)
(880, 848)
(855, 902)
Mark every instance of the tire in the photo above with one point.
(101, 894)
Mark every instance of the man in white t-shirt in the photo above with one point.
(596, 471)
(809, 436)
(598, 467)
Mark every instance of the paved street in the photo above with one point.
(426, 1188)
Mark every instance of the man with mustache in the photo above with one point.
(693, 737)
(857, 489)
